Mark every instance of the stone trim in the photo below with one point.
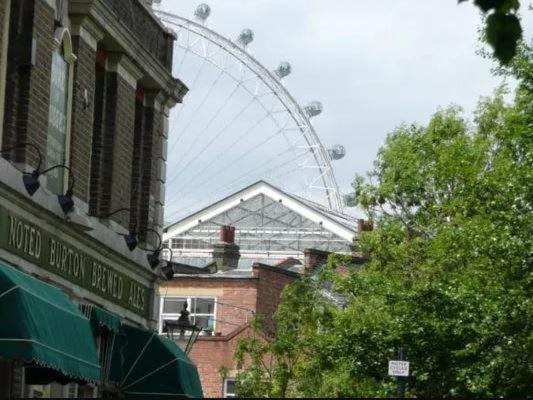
(87, 30)
(123, 66)
(154, 99)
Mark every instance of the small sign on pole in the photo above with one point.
(398, 368)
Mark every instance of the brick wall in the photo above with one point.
(147, 167)
(272, 281)
(3, 11)
(26, 111)
(238, 292)
(210, 355)
(260, 294)
(113, 148)
(136, 175)
(82, 116)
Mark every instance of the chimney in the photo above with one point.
(364, 226)
(226, 253)
(314, 258)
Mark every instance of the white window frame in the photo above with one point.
(189, 299)
(225, 387)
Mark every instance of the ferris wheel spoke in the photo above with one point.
(192, 117)
(226, 149)
(214, 138)
(206, 127)
(233, 162)
(302, 152)
(191, 88)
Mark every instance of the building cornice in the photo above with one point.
(102, 15)
(124, 66)
(85, 28)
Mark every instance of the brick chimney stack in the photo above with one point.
(314, 258)
(364, 226)
(226, 253)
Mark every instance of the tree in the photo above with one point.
(272, 358)
(450, 273)
(502, 26)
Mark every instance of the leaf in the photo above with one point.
(487, 5)
(503, 31)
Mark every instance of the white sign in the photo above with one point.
(399, 368)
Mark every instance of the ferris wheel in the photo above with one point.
(239, 124)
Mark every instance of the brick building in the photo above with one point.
(224, 303)
(225, 285)
(85, 92)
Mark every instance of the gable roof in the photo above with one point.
(335, 222)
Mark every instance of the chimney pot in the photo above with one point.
(227, 234)
(226, 253)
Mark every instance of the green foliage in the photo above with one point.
(450, 273)
(271, 359)
(502, 29)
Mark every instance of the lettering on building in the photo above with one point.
(24, 238)
(53, 254)
(67, 260)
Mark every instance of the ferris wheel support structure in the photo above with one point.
(273, 83)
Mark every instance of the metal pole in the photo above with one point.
(401, 379)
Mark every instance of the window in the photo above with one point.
(202, 311)
(229, 387)
(58, 141)
(177, 243)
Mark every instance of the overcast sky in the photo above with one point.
(373, 64)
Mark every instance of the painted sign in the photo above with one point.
(398, 368)
(57, 122)
(45, 250)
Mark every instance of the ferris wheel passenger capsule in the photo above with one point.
(337, 152)
(284, 69)
(203, 11)
(313, 109)
(245, 37)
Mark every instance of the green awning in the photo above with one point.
(147, 364)
(101, 318)
(39, 323)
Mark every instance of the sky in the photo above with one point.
(373, 64)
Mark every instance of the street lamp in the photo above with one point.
(176, 330)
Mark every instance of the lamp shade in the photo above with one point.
(31, 182)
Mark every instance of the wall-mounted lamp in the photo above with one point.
(168, 270)
(131, 238)
(31, 182)
(154, 258)
(31, 179)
